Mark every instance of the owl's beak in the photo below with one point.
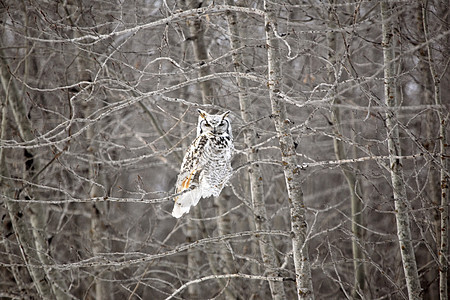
(214, 131)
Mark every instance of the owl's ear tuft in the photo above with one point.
(225, 114)
(202, 113)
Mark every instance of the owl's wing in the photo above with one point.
(188, 179)
(192, 163)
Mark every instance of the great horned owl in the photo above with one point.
(206, 166)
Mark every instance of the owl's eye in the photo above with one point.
(224, 123)
(203, 123)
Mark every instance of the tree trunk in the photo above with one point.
(339, 151)
(8, 203)
(47, 281)
(200, 50)
(256, 180)
(99, 210)
(103, 288)
(201, 56)
(102, 284)
(396, 169)
(289, 160)
(443, 245)
(431, 126)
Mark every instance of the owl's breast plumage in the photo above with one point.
(207, 163)
(217, 168)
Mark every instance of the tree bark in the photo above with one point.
(102, 285)
(103, 288)
(9, 206)
(339, 151)
(256, 180)
(201, 55)
(47, 281)
(288, 156)
(200, 51)
(99, 210)
(444, 179)
(396, 168)
(431, 126)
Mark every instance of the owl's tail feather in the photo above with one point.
(185, 201)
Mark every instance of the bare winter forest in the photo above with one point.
(339, 110)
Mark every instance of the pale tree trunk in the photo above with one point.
(10, 206)
(24, 238)
(99, 210)
(396, 170)
(196, 28)
(443, 119)
(192, 235)
(339, 151)
(192, 230)
(289, 160)
(256, 180)
(26, 244)
(356, 209)
(434, 190)
(48, 281)
(4, 191)
(192, 257)
(102, 286)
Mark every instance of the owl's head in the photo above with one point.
(216, 124)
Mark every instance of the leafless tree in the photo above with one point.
(340, 122)
(395, 165)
